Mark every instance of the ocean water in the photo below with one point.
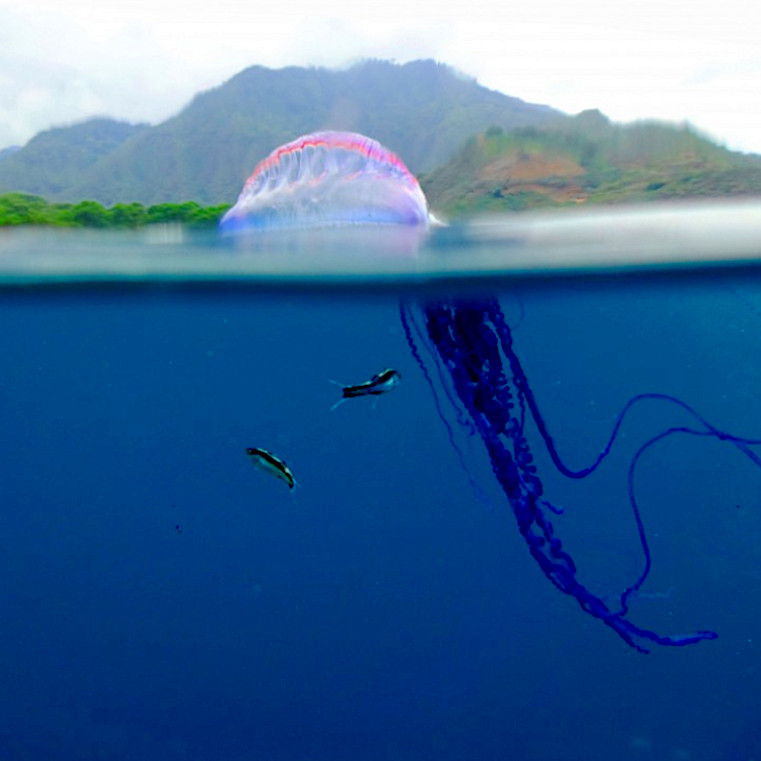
(163, 599)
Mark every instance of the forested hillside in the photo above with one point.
(587, 159)
(424, 111)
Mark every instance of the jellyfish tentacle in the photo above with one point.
(472, 339)
(406, 319)
(497, 317)
(741, 443)
(410, 325)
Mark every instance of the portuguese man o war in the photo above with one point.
(343, 179)
(328, 179)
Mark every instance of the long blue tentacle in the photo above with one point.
(475, 344)
(406, 325)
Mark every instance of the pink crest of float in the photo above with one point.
(329, 179)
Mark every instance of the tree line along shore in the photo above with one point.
(26, 209)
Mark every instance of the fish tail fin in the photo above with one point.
(338, 404)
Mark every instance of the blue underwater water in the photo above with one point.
(162, 599)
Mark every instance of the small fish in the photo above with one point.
(269, 463)
(379, 384)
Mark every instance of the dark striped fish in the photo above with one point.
(379, 384)
(269, 463)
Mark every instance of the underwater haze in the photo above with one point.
(163, 599)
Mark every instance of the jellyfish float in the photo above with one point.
(328, 179)
(345, 179)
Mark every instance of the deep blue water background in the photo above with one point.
(162, 599)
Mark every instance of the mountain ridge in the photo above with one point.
(56, 157)
(9, 151)
(422, 110)
(587, 159)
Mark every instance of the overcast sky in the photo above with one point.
(143, 60)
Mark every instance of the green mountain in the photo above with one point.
(56, 159)
(424, 111)
(9, 151)
(586, 159)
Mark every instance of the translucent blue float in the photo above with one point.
(328, 179)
